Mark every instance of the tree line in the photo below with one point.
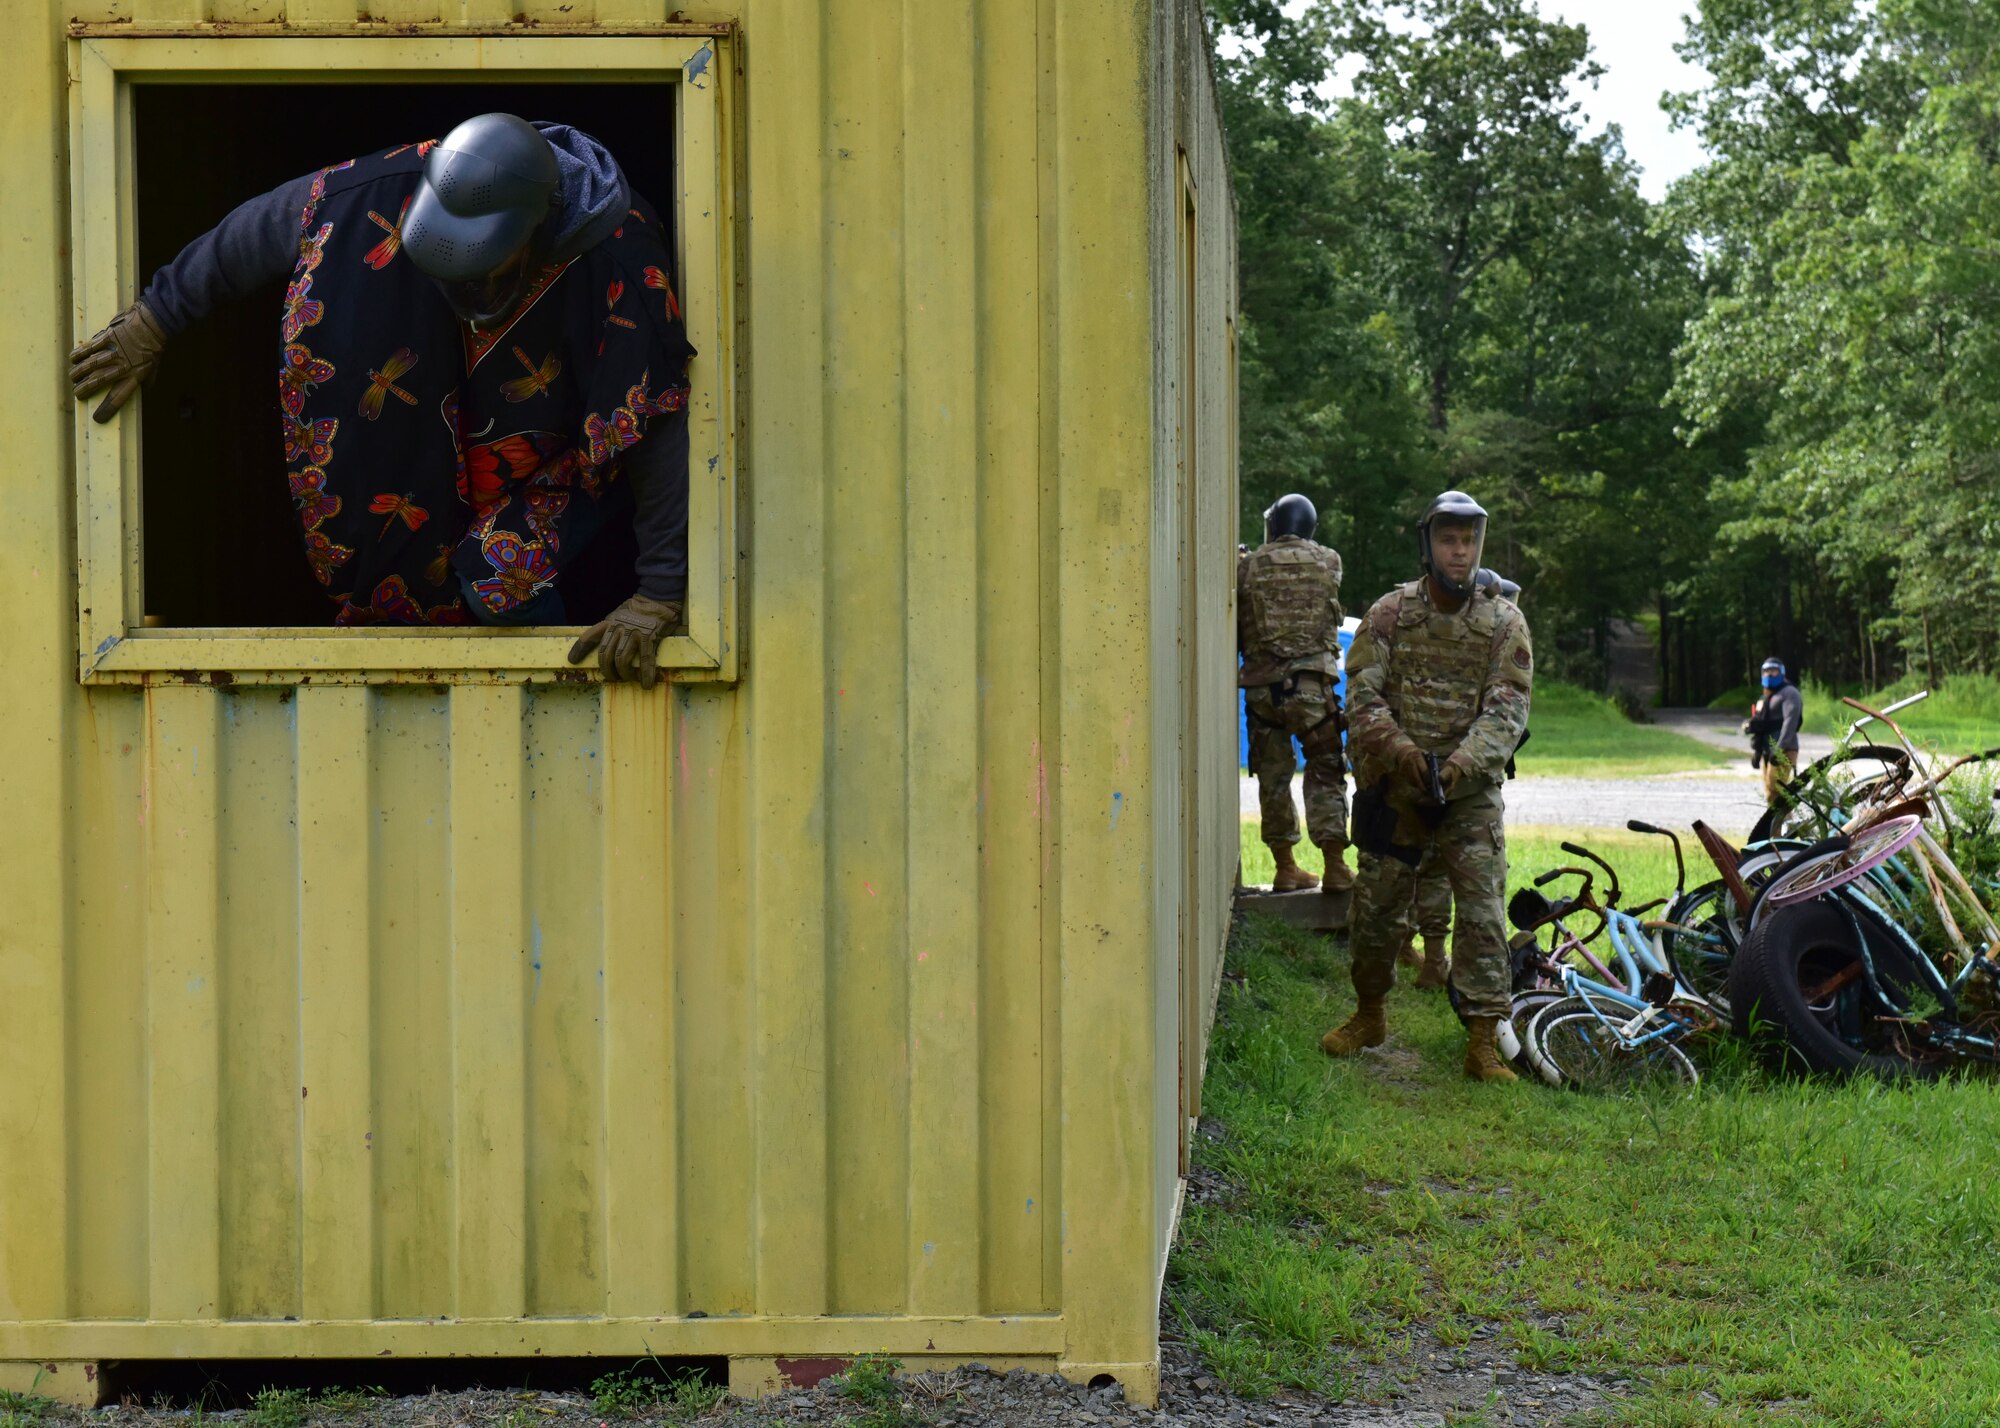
(1761, 415)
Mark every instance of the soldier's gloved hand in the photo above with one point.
(1413, 767)
(125, 354)
(627, 640)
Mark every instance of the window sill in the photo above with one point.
(487, 655)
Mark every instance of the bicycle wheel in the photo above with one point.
(1531, 1042)
(1700, 957)
(1819, 798)
(1521, 1017)
(1592, 1057)
(1809, 877)
(1703, 943)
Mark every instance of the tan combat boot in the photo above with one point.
(1437, 967)
(1410, 956)
(1339, 877)
(1482, 1057)
(1367, 1027)
(1290, 877)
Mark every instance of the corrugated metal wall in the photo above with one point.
(813, 996)
(1194, 504)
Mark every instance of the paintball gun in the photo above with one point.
(1432, 810)
(1762, 726)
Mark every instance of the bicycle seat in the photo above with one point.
(1528, 909)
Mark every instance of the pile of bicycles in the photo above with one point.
(1599, 997)
(1874, 948)
(1845, 937)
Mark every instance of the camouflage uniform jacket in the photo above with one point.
(1287, 610)
(1454, 685)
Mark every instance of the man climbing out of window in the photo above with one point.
(481, 367)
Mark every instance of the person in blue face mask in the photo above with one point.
(1773, 728)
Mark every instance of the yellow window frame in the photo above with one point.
(114, 644)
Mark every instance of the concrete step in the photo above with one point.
(1311, 910)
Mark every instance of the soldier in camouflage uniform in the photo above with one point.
(1430, 906)
(1288, 632)
(1438, 686)
(1430, 909)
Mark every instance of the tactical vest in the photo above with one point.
(1435, 665)
(1293, 612)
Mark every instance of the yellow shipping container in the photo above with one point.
(397, 993)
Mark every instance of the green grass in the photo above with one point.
(1645, 864)
(1759, 1250)
(1582, 735)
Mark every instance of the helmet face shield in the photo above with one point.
(1451, 540)
(490, 299)
(1452, 548)
(475, 225)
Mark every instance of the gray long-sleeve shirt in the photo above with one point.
(1790, 706)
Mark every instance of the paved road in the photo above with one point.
(1718, 727)
(1728, 799)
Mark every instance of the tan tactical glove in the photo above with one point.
(120, 357)
(1413, 767)
(627, 640)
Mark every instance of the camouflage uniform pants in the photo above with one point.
(1432, 903)
(1778, 770)
(1471, 847)
(1306, 711)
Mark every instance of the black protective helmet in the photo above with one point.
(1489, 579)
(1452, 508)
(486, 191)
(1290, 516)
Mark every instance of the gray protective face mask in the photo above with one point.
(489, 301)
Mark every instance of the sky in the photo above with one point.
(1634, 41)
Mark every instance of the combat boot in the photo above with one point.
(1410, 957)
(1437, 967)
(1482, 1057)
(1290, 877)
(1367, 1027)
(1339, 877)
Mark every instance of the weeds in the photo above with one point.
(23, 1410)
(346, 1402)
(280, 1408)
(635, 1393)
(870, 1381)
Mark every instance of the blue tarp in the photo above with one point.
(1347, 629)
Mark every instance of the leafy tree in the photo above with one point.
(1854, 323)
(1473, 99)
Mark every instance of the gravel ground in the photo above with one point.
(1427, 1386)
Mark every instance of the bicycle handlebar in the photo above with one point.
(1636, 825)
(1610, 898)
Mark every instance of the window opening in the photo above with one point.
(221, 543)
